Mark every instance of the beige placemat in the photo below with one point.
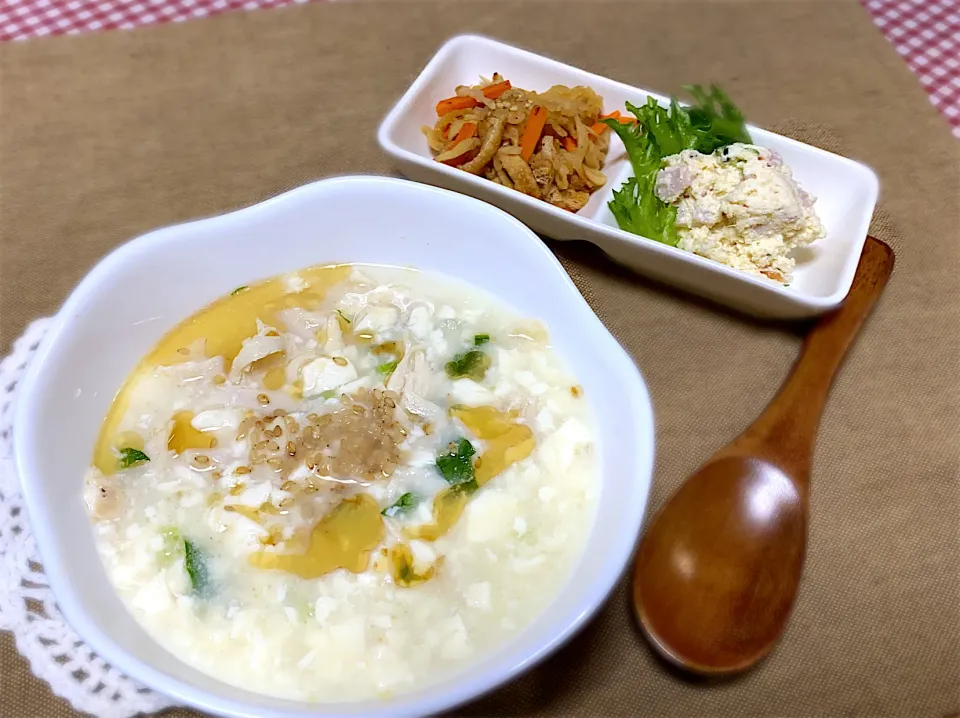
(108, 135)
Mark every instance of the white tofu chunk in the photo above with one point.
(377, 319)
(469, 392)
(478, 595)
(216, 419)
(325, 374)
(419, 324)
(490, 516)
(560, 448)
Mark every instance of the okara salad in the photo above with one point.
(344, 482)
(548, 145)
(700, 184)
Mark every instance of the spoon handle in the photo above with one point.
(786, 431)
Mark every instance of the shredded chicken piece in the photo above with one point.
(411, 379)
(257, 347)
(334, 335)
(542, 164)
(520, 173)
(570, 199)
(574, 199)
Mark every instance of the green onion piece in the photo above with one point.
(472, 365)
(131, 457)
(195, 562)
(387, 368)
(402, 505)
(456, 464)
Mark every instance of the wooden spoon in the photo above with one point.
(718, 570)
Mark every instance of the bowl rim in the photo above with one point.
(446, 694)
(396, 117)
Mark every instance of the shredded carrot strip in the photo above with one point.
(532, 131)
(622, 119)
(465, 103)
(598, 128)
(569, 144)
(465, 132)
(455, 103)
(494, 91)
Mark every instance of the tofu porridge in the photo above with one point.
(344, 482)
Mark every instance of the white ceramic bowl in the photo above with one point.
(145, 287)
(846, 190)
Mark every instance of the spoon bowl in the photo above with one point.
(719, 568)
(746, 508)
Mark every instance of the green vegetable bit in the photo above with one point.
(712, 122)
(456, 465)
(472, 365)
(480, 339)
(405, 503)
(638, 211)
(387, 368)
(715, 119)
(344, 317)
(635, 205)
(329, 394)
(239, 289)
(305, 610)
(467, 487)
(131, 457)
(172, 544)
(196, 564)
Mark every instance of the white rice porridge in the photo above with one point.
(344, 483)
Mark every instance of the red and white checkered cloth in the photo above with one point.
(926, 33)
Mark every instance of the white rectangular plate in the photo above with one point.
(846, 191)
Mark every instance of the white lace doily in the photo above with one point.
(28, 608)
